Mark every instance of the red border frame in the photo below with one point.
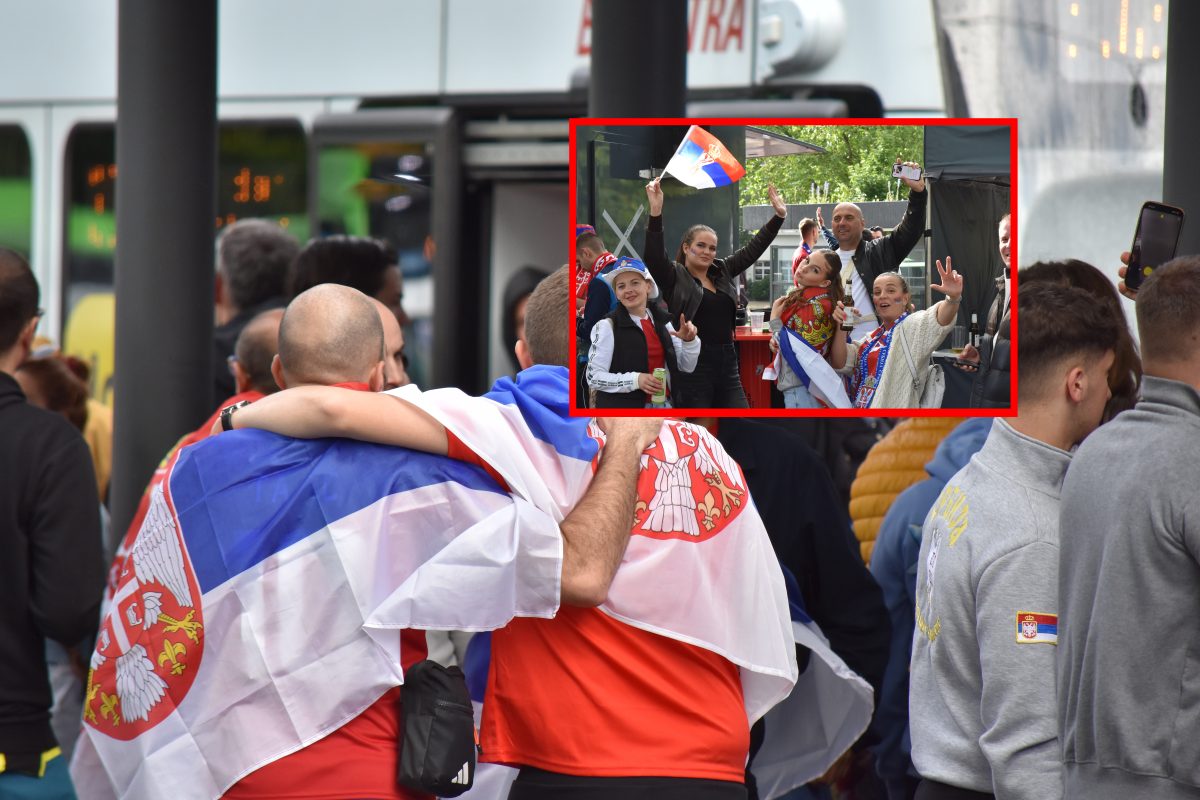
(1009, 122)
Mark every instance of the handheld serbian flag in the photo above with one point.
(702, 162)
(260, 605)
(814, 371)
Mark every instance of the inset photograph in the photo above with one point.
(777, 269)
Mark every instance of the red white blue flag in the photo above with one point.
(703, 162)
(259, 606)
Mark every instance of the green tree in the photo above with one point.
(857, 164)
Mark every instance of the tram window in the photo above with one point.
(262, 171)
(16, 190)
(383, 189)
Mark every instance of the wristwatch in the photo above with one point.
(227, 414)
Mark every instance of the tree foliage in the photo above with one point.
(857, 164)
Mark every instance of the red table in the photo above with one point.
(754, 353)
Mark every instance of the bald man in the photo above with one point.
(863, 260)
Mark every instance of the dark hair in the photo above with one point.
(546, 324)
(1168, 311)
(256, 347)
(1057, 322)
(1125, 377)
(688, 238)
(355, 261)
(253, 256)
(833, 267)
(877, 228)
(18, 297)
(61, 390)
(520, 285)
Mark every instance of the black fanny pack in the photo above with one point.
(438, 747)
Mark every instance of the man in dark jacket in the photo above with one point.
(51, 568)
(871, 257)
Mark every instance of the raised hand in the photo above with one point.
(820, 219)
(917, 185)
(686, 331)
(951, 282)
(1121, 287)
(654, 195)
(776, 201)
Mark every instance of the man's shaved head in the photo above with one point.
(847, 225)
(330, 334)
(256, 347)
(394, 373)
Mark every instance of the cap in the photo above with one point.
(627, 264)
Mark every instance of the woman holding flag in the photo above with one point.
(700, 286)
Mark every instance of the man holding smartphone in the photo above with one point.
(863, 260)
(1130, 570)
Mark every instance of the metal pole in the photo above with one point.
(1181, 159)
(166, 207)
(639, 58)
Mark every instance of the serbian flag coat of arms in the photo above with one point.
(703, 162)
(259, 606)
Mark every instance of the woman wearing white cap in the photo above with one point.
(635, 339)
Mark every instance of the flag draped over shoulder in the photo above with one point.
(699, 567)
(723, 589)
(260, 604)
(703, 162)
(820, 378)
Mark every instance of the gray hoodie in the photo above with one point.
(981, 695)
(1129, 592)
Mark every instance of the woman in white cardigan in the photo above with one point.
(880, 372)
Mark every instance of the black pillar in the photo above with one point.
(1181, 158)
(639, 58)
(166, 208)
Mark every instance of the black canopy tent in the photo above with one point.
(968, 170)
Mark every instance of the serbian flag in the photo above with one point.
(260, 604)
(702, 162)
(818, 377)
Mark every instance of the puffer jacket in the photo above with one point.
(896, 462)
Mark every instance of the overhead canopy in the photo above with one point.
(967, 152)
(760, 143)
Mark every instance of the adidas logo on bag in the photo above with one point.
(464, 774)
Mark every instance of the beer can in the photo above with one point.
(660, 397)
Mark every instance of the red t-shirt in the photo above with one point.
(585, 694)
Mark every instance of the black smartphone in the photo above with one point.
(1154, 241)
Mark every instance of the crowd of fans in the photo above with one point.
(1016, 592)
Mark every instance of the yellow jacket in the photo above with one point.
(896, 462)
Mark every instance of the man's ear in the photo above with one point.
(523, 357)
(218, 289)
(277, 372)
(1077, 384)
(375, 381)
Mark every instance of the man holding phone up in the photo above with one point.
(863, 260)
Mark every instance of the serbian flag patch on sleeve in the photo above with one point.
(1033, 628)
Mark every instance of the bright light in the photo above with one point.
(1123, 29)
(1072, 51)
(1105, 48)
(1074, 9)
(1155, 53)
(1139, 39)
(1158, 12)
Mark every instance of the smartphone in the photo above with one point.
(1154, 241)
(901, 171)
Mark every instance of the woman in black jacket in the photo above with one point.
(699, 286)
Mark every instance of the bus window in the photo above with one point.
(383, 189)
(262, 171)
(16, 190)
